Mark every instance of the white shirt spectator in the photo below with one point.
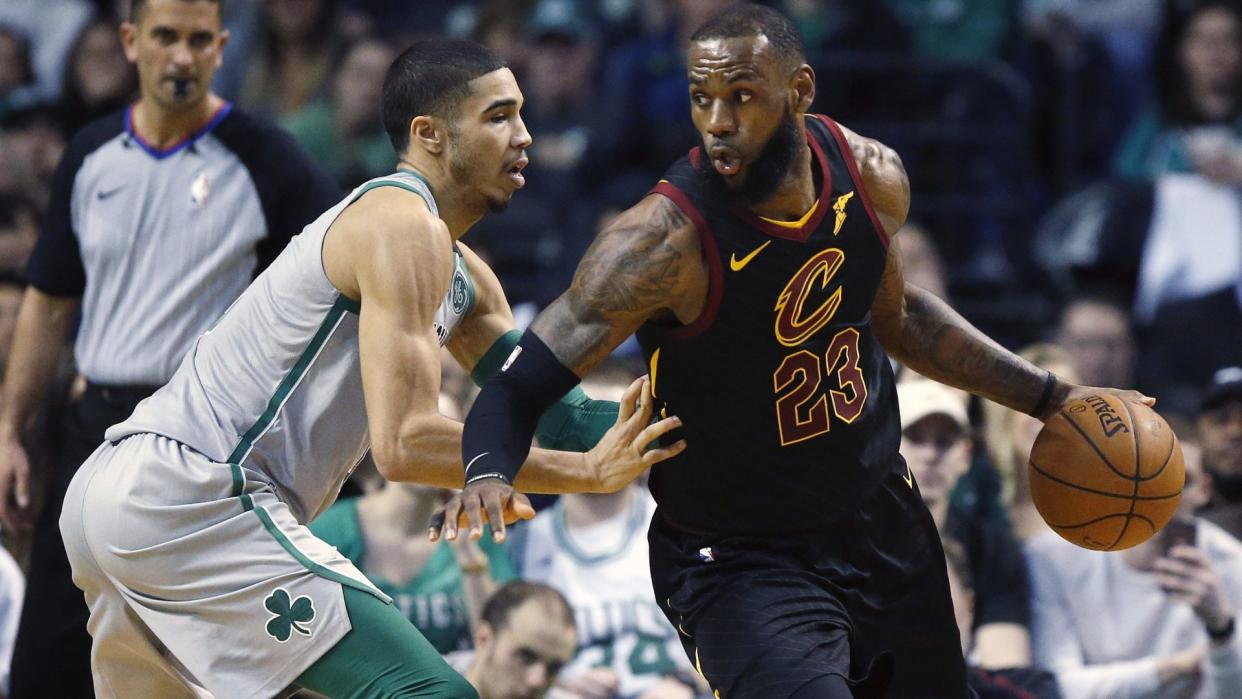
(12, 591)
(1100, 624)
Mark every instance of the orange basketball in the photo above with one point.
(1106, 474)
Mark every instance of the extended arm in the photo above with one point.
(645, 263)
(922, 332)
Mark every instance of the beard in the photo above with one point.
(765, 173)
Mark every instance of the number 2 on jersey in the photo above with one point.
(801, 406)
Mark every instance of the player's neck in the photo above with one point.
(796, 193)
(585, 510)
(162, 127)
(457, 214)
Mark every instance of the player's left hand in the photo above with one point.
(1186, 575)
(1077, 392)
(486, 501)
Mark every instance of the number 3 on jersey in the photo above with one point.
(801, 407)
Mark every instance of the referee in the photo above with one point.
(160, 216)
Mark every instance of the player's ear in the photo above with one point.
(429, 133)
(803, 89)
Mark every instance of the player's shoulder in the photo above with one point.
(385, 217)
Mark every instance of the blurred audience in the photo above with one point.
(526, 635)
(16, 73)
(343, 131)
(1194, 124)
(936, 444)
(19, 229)
(50, 27)
(1009, 436)
(12, 592)
(1156, 620)
(98, 79)
(1096, 334)
(1220, 431)
(290, 63)
(31, 142)
(1024, 682)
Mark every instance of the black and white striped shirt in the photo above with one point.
(159, 242)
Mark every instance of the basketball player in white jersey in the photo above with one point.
(186, 528)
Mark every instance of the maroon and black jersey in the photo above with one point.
(786, 397)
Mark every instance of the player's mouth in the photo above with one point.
(725, 160)
(514, 171)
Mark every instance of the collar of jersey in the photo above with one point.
(161, 153)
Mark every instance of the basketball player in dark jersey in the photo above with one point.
(790, 548)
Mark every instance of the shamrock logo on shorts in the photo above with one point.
(289, 616)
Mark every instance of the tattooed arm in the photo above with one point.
(922, 332)
(647, 263)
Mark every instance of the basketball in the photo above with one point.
(1106, 473)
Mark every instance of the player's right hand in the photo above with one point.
(623, 453)
(485, 501)
(15, 506)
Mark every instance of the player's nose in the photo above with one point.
(720, 120)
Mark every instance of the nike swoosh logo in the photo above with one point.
(736, 265)
(105, 193)
(909, 477)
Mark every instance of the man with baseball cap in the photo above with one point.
(936, 444)
(1220, 433)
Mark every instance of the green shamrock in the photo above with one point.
(290, 616)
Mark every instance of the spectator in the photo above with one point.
(98, 79)
(593, 549)
(1009, 437)
(12, 590)
(290, 64)
(1195, 125)
(344, 132)
(1156, 620)
(525, 637)
(936, 444)
(1096, 333)
(998, 683)
(961, 30)
(15, 70)
(50, 26)
(19, 229)
(1220, 428)
(160, 216)
(31, 142)
(921, 261)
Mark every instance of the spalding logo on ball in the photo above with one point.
(1106, 473)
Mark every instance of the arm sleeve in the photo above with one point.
(1056, 647)
(55, 265)
(502, 421)
(576, 422)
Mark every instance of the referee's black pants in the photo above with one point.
(52, 654)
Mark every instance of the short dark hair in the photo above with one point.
(749, 19)
(431, 78)
(512, 595)
(135, 9)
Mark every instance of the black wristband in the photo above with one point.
(1050, 384)
(1222, 633)
(501, 424)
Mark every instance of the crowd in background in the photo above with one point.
(1076, 176)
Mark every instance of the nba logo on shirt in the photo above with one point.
(707, 555)
(199, 190)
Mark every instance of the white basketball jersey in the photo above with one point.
(276, 385)
(619, 624)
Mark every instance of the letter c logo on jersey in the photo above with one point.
(794, 322)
